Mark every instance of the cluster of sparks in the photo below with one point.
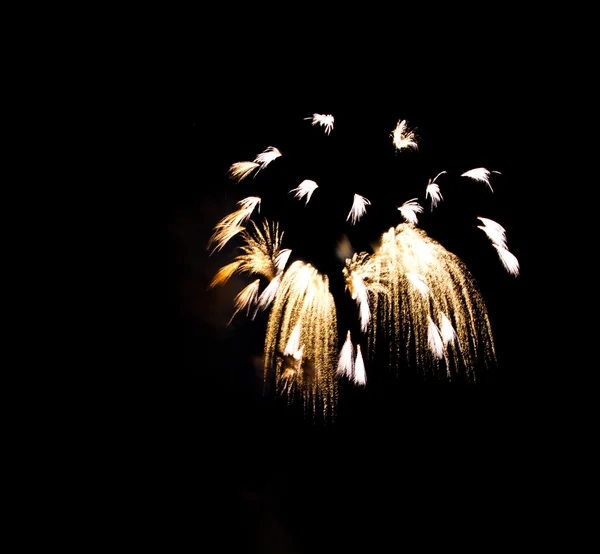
(412, 295)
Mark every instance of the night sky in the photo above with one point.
(405, 456)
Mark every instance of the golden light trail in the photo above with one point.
(416, 287)
(240, 170)
(301, 338)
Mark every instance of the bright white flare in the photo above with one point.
(240, 170)
(267, 156)
(361, 295)
(419, 282)
(449, 334)
(410, 209)
(325, 120)
(403, 137)
(433, 191)
(246, 299)
(358, 208)
(495, 232)
(497, 235)
(508, 259)
(270, 291)
(479, 174)
(346, 360)
(434, 339)
(293, 343)
(305, 188)
(281, 259)
(360, 376)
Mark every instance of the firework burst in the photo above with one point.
(403, 137)
(325, 120)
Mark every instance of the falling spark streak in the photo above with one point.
(246, 299)
(360, 375)
(267, 295)
(401, 313)
(303, 300)
(410, 209)
(325, 120)
(267, 156)
(281, 259)
(418, 282)
(231, 224)
(358, 208)
(240, 170)
(480, 174)
(305, 188)
(345, 365)
(497, 235)
(434, 339)
(494, 231)
(403, 137)
(361, 295)
(433, 190)
(508, 259)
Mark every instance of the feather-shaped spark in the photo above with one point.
(359, 206)
(246, 299)
(360, 375)
(305, 188)
(494, 231)
(480, 174)
(433, 191)
(410, 209)
(419, 282)
(346, 360)
(267, 156)
(325, 120)
(232, 223)
(403, 137)
(508, 259)
(240, 170)
(434, 339)
(497, 234)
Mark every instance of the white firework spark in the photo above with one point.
(346, 360)
(434, 339)
(449, 334)
(267, 295)
(281, 259)
(403, 137)
(360, 375)
(480, 174)
(508, 259)
(361, 295)
(240, 170)
(246, 299)
(325, 120)
(433, 190)
(267, 156)
(305, 188)
(495, 232)
(419, 282)
(358, 208)
(410, 209)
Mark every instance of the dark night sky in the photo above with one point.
(271, 479)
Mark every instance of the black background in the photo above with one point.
(199, 454)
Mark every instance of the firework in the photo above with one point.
(305, 188)
(433, 191)
(403, 137)
(415, 287)
(267, 156)
(231, 224)
(325, 120)
(410, 209)
(303, 319)
(497, 235)
(480, 174)
(240, 170)
(358, 208)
